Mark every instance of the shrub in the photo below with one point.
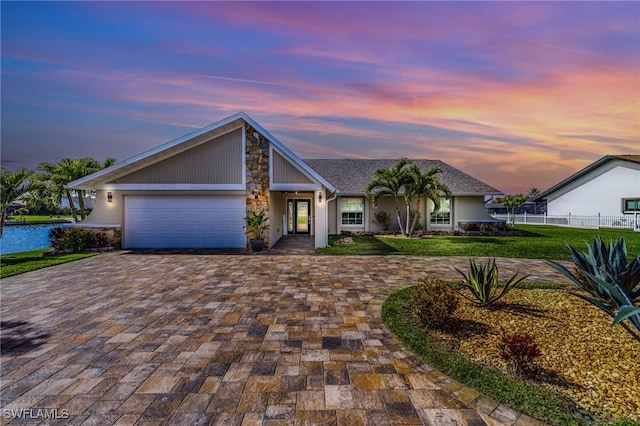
(434, 303)
(612, 284)
(520, 350)
(383, 218)
(55, 237)
(483, 283)
(100, 239)
(76, 239)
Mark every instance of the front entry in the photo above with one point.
(298, 216)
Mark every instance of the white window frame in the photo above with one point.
(435, 221)
(361, 213)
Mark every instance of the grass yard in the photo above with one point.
(38, 218)
(537, 242)
(18, 263)
(586, 366)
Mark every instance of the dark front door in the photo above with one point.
(299, 219)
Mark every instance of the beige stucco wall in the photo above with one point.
(463, 208)
(105, 213)
(332, 212)
(470, 208)
(276, 212)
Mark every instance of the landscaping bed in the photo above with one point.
(583, 359)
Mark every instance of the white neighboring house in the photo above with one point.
(607, 187)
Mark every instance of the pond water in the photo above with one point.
(17, 238)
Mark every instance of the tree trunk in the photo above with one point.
(3, 217)
(408, 233)
(414, 221)
(400, 221)
(71, 206)
(81, 205)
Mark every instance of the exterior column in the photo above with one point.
(321, 218)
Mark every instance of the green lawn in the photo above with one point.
(17, 263)
(37, 218)
(537, 242)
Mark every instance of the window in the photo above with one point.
(443, 215)
(352, 210)
(631, 205)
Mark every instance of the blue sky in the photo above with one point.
(517, 94)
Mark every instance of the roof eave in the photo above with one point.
(89, 181)
(544, 194)
(288, 152)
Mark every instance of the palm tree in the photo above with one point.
(424, 185)
(67, 170)
(56, 176)
(392, 182)
(13, 186)
(84, 167)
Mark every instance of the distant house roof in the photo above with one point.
(607, 158)
(351, 176)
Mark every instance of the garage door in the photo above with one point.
(184, 221)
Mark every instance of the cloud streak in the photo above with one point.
(517, 94)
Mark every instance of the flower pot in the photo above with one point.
(256, 244)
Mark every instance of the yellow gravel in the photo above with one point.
(582, 356)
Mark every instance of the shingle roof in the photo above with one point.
(351, 176)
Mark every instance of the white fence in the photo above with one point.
(629, 221)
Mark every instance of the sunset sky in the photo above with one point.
(517, 94)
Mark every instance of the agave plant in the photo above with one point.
(610, 283)
(483, 283)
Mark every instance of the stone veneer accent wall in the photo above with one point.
(257, 171)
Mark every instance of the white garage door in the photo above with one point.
(184, 221)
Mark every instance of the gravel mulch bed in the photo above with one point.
(582, 356)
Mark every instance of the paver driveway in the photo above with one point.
(210, 339)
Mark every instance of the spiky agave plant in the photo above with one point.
(483, 283)
(610, 283)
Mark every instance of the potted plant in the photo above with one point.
(256, 226)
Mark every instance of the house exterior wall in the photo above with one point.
(218, 161)
(599, 192)
(463, 208)
(285, 172)
(386, 204)
(277, 215)
(470, 208)
(105, 213)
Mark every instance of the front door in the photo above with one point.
(299, 219)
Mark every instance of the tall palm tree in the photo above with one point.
(424, 185)
(56, 176)
(84, 167)
(67, 170)
(13, 186)
(391, 182)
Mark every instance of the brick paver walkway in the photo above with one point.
(235, 340)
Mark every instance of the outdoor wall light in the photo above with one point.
(320, 196)
(109, 197)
